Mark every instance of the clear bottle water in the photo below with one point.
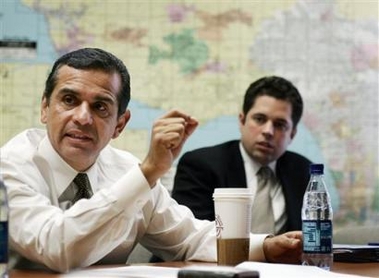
(3, 231)
(317, 225)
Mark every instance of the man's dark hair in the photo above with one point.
(276, 87)
(92, 58)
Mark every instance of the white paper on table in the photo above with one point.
(266, 270)
(271, 270)
(137, 271)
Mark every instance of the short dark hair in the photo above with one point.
(92, 58)
(278, 88)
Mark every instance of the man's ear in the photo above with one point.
(293, 133)
(44, 108)
(121, 123)
(241, 118)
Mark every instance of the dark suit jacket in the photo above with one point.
(200, 171)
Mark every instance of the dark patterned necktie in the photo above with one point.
(84, 187)
(262, 215)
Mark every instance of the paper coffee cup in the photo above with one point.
(233, 223)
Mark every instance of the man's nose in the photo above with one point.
(83, 114)
(268, 128)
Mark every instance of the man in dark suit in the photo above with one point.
(271, 111)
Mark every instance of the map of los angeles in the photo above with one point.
(200, 56)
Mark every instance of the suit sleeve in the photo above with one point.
(194, 185)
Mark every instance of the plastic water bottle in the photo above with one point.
(317, 226)
(3, 231)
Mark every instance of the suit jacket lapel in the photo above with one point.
(236, 170)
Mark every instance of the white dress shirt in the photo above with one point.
(45, 228)
(276, 192)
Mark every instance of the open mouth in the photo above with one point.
(78, 137)
(265, 145)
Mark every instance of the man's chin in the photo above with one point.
(262, 158)
(78, 157)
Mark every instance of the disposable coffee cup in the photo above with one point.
(233, 221)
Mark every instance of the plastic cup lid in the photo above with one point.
(232, 193)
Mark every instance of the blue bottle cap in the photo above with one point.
(316, 168)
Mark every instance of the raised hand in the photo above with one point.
(168, 136)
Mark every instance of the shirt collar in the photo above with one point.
(62, 173)
(251, 163)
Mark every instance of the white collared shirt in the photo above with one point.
(106, 227)
(276, 192)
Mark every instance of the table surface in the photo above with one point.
(363, 269)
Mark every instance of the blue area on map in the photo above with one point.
(21, 22)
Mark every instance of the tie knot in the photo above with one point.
(84, 187)
(81, 178)
(265, 173)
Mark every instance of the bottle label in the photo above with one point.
(317, 236)
(3, 242)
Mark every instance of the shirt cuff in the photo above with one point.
(256, 247)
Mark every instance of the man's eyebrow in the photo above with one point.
(259, 114)
(106, 99)
(67, 91)
(281, 120)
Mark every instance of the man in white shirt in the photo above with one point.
(84, 106)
